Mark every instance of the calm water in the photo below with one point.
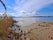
(46, 19)
(27, 21)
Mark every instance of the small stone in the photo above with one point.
(51, 37)
(19, 29)
(48, 36)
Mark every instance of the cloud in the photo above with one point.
(9, 14)
(32, 4)
(29, 5)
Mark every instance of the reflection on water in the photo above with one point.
(27, 21)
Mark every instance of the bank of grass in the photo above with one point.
(1, 21)
(4, 25)
(1, 32)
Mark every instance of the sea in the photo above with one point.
(26, 21)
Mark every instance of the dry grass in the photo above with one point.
(4, 24)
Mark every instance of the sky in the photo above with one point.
(22, 8)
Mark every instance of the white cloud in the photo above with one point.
(24, 13)
(29, 7)
(32, 4)
(9, 14)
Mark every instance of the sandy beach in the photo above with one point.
(40, 31)
(33, 30)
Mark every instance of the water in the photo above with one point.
(27, 21)
(46, 19)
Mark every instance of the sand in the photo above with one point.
(40, 31)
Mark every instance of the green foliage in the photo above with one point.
(1, 32)
(1, 21)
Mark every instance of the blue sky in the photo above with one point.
(28, 7)
(48, 10)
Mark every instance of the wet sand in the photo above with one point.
(40, 31)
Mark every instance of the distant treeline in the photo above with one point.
(31, 16)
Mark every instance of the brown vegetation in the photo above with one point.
(5, 23)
